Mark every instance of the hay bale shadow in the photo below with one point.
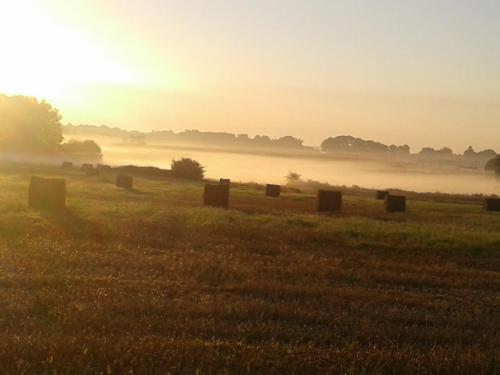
(137, 192)
(69, 222)
(132, 190)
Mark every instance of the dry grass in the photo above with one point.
(148, 281)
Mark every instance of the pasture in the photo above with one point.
(148, 281)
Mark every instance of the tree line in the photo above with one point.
(343, 144)
(34, 126)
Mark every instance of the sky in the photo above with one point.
(420, 72)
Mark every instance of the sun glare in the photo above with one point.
(45, 58)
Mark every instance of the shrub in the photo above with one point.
(187, 168)
(293, 177)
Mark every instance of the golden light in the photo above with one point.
(45, 58)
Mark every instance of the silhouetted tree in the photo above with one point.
(187, 168)
(28, 124)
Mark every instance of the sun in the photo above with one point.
(45, 58)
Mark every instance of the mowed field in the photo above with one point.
(149, 281)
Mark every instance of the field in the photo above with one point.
(150, 282)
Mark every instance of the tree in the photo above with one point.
(399, 150)
(29, 125)
(187, 168)
(349, 144)
(289, 142)
(82, 148)
(427, 151)
(470, 153)
(493, 165)
(487, 154)
(484, 155)
(446, 151)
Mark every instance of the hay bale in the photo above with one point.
(216, 195)
(86, 167)
(67, 165)
(47, 193)
(273, 190)
(126, 182)
(381, 194)
(492, 204)
(328, 201)
(395, 203)
(225, 181)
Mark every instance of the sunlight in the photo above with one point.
(43, 58)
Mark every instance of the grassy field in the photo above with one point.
(150, 282)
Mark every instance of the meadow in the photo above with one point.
(148, 281)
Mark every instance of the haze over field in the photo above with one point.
(418, 72)
(273, 169)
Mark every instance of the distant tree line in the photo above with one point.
(31, 126)
(187, 136)
(446, 152)
(344, 144)
(351, 145)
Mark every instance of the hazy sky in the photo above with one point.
(420, 72)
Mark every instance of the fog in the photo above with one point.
(273, 169)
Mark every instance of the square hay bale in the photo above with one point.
(328, 201)
(87, 166)
(492, 204)
(225, 181)
(67, 165)
(47, 193)
(216, 195)
(273, 190)
(395, 203)
(381, 194)
(126, 182)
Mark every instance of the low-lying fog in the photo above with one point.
(273, 169)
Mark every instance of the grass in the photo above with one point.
(150, 282)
